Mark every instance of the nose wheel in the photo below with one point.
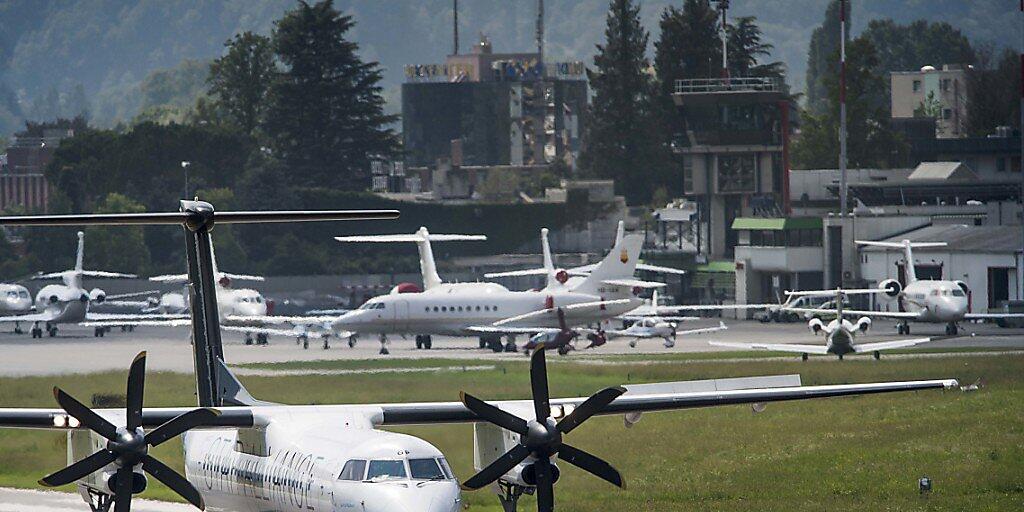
(904, 328)
(951, 329)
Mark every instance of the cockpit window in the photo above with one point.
(12, 295)
(23, 294)
(259, 299)
(425, 469)
(386, 470)
(353, 470)
(958, 293)
(444, 467)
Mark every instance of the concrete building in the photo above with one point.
(938, 93)
(987, 258)
(506, 108)
(22, 182)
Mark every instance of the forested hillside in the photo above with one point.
(66, 57)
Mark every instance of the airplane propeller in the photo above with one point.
(541, 439)
(128, 446)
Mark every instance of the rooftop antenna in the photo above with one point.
(723, 7)
(540, 31)
(455, 27)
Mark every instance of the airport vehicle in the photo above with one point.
(14, 300)
(489, 310)
(242, 454)
(926, 301)
(68, 303)
(839, 333)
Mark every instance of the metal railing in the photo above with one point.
(743, 84)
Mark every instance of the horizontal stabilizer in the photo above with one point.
(832, 293)
(633, 283)
(170, 278)
(583, 306)
(518, 273)
(414, 237)
(888, 345)
(659, 269)
(900, 245)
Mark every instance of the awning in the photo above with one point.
(777, 224)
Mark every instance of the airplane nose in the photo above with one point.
(423, 496)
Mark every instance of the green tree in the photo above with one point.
(621, 140)
(326, 115)
(240, 80)
(820, 54)
(119, 249)
(747, 49)
(870, 141)
(929, 107)
(688, 45)
(993, 92)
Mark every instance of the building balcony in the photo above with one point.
(726, 85)
(780, 259)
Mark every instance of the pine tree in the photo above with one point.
(689, 45)
(622, 142)
(747, 49)
(326, 115)
(240, 81)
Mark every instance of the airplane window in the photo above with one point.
(478, 308)
(12, 295)
(426, 309)
(460, 309)
(935, 293)
(23, 294)
(958, 293)
(435, 309)
(444, 467)
(487, 308)
(444, 308)
(425, 469)
(259, 299)
(494, 308)
(381, 305)
(386, 470)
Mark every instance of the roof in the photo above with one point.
(964, 238)
(943, 171)
(784, 223)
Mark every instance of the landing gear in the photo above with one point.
(17, 328)
(803, 357)
(98, 332)
(98, 501)
(248, 338)
(669, 342)
(352, 341)
(384, 345)
(51, 330)
(904, 328)
(127, 328)
(304, 340)
(509, 495)
(510, 344)
(951, 329)
(878, 355)
(37, 332)
(261, 338)
(483, 342)
(492, 342)
(840, 357)
(327, 341)
(424, 341)
(632, 343)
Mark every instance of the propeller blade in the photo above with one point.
(590, 407)
(85, 415)
(591, 464)
(172, 479)
(179, 424)
(493, 414)
(496, 469)
(539, 383)
(136, 388)
(79, 470)
(545, 485)
(123, 490)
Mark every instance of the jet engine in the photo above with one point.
(84, 298)
(863, 324)
(97, 296)
(816, 325)
(892, 288)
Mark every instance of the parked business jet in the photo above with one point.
(242, 454)
(489, 310)
(839, 333)
(927, 301)
(68, 303)
(14, 300)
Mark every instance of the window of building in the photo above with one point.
(947, 113)
(917, 86)
(944, 85)
(1000, 164)
(736, 173)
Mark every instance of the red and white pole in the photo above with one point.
(1020, 270)
(842, 108)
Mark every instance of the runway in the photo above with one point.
(25, 500)
(75, 350)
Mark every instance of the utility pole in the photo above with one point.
(843, 191)
(1019, 277)
(723, 6)
(455, 27)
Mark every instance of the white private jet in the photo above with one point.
(242, 454)
(927, 301)
(14, 300)
(68, 303)
(241, 310)
(840, 334)
(489, 310)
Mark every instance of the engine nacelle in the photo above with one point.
(892, 288)
(963, 286)
(139, 482)
(528, 474)
(97, 296)
(816, 325)
(863, 324)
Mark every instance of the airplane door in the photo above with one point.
(401, 314)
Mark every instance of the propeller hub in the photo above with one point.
(129, 446)
(542, 437)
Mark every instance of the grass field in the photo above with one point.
(859, 453)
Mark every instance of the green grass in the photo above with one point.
(858, 453)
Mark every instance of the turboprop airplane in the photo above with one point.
(647, 323)
(924, 300)
(489, 310)
(14, 300)
(68, 303)
(840, 334)
(241, 310)
(241, 454)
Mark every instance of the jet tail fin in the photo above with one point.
(618, 264)
(80, 257)
(908, 252)
(232, 391)
(422, 238)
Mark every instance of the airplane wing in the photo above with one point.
(639, 402)
(517, 273)
(50, 275)
(775, 347)
(888, 345)
(107, 275)
(31, 317)
(583, 306)
(113, 317)
(634, 283)
(242, 277)
(142, 322)
(832, 293)
(410, 238)
(635, 318)
(130, 295)
(127, 303)
(170, 278)
(494, 329)
(712, 307)
(992, 316)
(906, 315)
(703, 330)
(659, 269)
(279, 320)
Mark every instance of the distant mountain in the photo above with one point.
(111, 46)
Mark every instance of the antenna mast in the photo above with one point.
(540, 30)
(455, 27)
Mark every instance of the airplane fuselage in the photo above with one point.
(62, 304)
(307, 464)
(934, 301)
(14, 299)
(452, 308)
